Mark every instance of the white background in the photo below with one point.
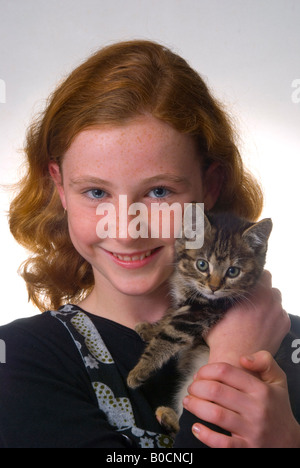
(248, 50)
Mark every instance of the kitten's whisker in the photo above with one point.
(242, 299)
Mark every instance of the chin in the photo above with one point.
(139, 288)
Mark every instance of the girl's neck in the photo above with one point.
(124, 309)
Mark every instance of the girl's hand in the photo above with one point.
(258, 322)
(255, 410)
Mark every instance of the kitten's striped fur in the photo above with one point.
(205, 283)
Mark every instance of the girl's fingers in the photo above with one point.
(214, 414)
(263, 363)
(220, 394)
(265, 280)
(277, 296)
(214, 439)
(229, 375)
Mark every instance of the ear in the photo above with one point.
(195, 224)
(207, 224)
(55, 173)
(213, 181)
(259, 233)
(191, 222)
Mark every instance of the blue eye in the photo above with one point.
(159, 192)
(96, 193)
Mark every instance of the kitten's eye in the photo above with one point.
(233, 272)
(202, 265)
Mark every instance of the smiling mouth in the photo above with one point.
(134, 257)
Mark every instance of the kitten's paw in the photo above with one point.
(168, 418)
(134, 380)
(145, 330)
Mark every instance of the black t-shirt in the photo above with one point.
(47, 398)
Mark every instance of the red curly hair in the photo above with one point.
(116, 84)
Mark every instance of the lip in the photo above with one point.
(138, 259)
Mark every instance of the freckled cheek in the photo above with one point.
(82, 229)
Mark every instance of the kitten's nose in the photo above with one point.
(214, 288)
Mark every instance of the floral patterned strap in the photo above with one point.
(104, 376)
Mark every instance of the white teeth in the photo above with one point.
(134, 258)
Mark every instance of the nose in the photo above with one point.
(132, 222)
(214, 283)
(126, 220)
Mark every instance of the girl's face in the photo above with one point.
(149, 162)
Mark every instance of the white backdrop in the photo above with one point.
(248, 50)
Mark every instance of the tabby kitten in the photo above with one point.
(205, 283)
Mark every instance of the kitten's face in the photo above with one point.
(230, 261)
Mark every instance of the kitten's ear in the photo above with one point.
(258, 234)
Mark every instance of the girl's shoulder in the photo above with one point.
(44, 369)
(37, 338)
(37, 325)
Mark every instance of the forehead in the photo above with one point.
(136, 146)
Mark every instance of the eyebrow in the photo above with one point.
(169, 177)
(91, 180)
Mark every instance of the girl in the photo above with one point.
(133, 120)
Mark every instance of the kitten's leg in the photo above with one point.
(168, 418)
(158, 352)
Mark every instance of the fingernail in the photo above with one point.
(250, 358)
(196, 429)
